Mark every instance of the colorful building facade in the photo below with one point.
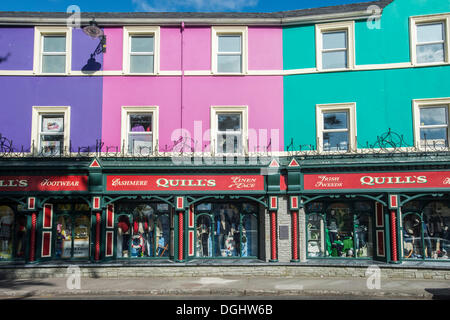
(252, 137)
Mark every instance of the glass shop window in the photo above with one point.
(142, 54)
(54, 54)
(412, 236)
(51, 134)
(226, 230)
(334, 50)
(434, 126)
(229, 55)
(72, 236)
(204, 236)
(427, 238)
(343, 230)
(144, 231)
(430, 44)
(6, 232)
(436, 230)
(229, 133)
(335, 131)
(140, 133)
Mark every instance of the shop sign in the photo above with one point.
(185, 183)
(43, 183)
(381, 180)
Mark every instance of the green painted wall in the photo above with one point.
(383, 97)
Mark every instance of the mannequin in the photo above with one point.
(6, 222)
(21, 233)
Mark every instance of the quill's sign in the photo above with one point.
(382, 180)
(43, 183)
(185, 183)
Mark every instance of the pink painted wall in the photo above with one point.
(264, 45)
(262, 94)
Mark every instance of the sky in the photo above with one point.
(167, 5)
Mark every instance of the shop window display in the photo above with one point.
(72, 236)
(342, 230)
(426, 231)
(226, 230)
(143, 230)
(6, 232)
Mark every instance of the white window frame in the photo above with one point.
(37, 113)
(215, 110)
(350, 108)
(128, 32)
(418, 104)
(429, 19)
(126, 111)
(39, 33)
(217, 31)
(349, 28)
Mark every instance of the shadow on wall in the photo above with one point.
(91, 66)
(5, 58)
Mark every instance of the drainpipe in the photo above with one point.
(182, 73)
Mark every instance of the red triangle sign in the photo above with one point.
(274, 164)
(95, 164)
(293, 163)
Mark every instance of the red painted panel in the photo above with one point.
(109, 244)
(46, 241)
(110, 216)
(43, 183)
(379, 215)
(48, 213)
(379, 180)
(185, 183)
(380, 243)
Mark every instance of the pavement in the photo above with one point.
(225, 287)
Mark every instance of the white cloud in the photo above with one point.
(192, 5)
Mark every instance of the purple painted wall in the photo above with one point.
(82, 48)
(16, 48)
(20, 94)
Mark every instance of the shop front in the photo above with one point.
(185, 216)
(45, 217)
(391, 216)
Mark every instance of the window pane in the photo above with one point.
(229, 143)
(412, 237)
(249, 236)
(53, 123)
(434, 137)
(430, 32)
(433, 116)
(81, 237)
(316, 236)
(333, 141)
(142, 44)
(204, 237)
(334, 60)
(141, 64)
(140, 122)
(229, 43)
(430, 53)
(54, 44)
(226, 223)
(140, 143)
(63, 247)
(54, 64)
(335, 120)
(229, 63)
(52, 144)
(230, 121)
(334, 40)
(6, 232)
